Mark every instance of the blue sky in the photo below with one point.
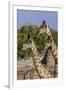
(37, 17)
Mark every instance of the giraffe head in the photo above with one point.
(27, 45)
(44, 28)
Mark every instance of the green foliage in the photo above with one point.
(40, 41)
(23, 35)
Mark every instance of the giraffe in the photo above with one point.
(48, 59)
(45, 28)
(54, 49)
(42, 70)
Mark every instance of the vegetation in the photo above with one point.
(23, 35)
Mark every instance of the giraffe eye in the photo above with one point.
(50, 47)
(51, 40)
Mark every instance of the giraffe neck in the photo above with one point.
(54, 47)
(54, 51)
(42, 71)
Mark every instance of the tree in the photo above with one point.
(24, 34)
